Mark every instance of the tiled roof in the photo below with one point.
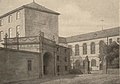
(34, 6)
(94, 35)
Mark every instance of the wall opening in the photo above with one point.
(47, 63)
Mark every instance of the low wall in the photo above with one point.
(14, 65)
(113, 71)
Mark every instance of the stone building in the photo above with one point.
(19, 65)
(89, 45)
(29, 35)
(29, 20)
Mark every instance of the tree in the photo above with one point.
(113, 54)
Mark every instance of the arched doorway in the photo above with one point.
(77, 64)
(93, 63)
(48, 62)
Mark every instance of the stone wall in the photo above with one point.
(37, 20)
(14, 65)
(64, 60)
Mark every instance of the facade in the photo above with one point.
(29, 35)
(34, 28)
(17, 65)
(29, 20)
(89, 45)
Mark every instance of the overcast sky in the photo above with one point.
(77, 16)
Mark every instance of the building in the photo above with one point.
(19, 65)
(29, 20)
(89, 44)
(34, 28)
(29, 35)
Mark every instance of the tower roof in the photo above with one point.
(36, 6)
(33, 6)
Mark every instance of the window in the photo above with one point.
(66, 68)
(93, 62)
(84, 48)
(18, 15)
(101, 46)
(29, 65)
(10, 32)
(110, 41)
(18, 30)
(58, 68)
(1, 35)
(65, 59)
(118, 40)
(9, 18)
(76, 49)
(58, 58)
(92, 48)
(1, 22)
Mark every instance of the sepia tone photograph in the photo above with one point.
(59, 42)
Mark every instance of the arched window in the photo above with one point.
(76, 49)
(92, 48)
(101, 46)
(93, 62)
(10, 18)
(102, 49)
(18, 30)
(17, 15)
(1, 35)
(10, 32)
(84, 48)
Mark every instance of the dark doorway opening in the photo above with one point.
(47, 63)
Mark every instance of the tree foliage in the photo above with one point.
(112, 53)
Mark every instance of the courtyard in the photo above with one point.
(77, 79)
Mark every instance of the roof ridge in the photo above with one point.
(94, 35)
(40, 7)
(26, 5)
(93, 32)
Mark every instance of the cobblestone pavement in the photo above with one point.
(77, 79)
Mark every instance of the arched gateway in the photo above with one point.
(48, 64)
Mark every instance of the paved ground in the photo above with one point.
(78, 79)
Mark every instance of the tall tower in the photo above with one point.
(28, 20)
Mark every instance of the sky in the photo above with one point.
(77, 16)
